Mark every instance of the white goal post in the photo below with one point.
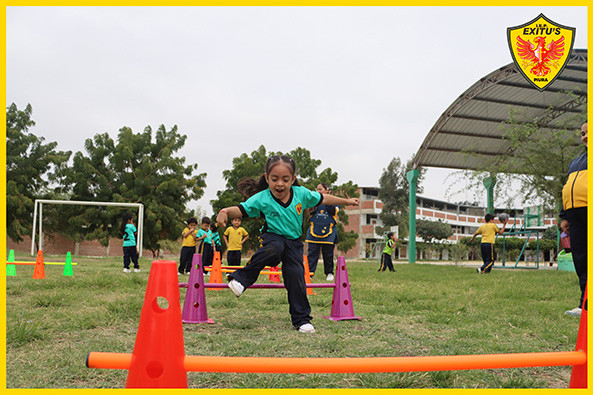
(40, 202)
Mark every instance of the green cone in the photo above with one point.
(68, 265)
(10, 269)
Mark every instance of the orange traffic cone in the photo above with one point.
(216, 273)
(39, 266)
(159, 353)
(578, 378)
(275, 278)
(307, 275)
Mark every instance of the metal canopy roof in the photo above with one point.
(467, 135)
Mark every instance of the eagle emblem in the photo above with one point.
(540, 49)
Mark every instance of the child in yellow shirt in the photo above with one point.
(188, 248)
(234, 237)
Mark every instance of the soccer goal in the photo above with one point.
(38, 212)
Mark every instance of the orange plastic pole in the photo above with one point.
(354, 365)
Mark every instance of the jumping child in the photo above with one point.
(488, 232)
(128, 231)
(280, 200)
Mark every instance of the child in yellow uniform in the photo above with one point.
(488, 232)
(234, 237)
(188, 247)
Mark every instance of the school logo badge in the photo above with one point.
(540, 49)
(299, 208)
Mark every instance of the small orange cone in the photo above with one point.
(216, 273)
(39, 266)
(275, 278)
(307, 275)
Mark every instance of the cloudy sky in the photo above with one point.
(356, 86)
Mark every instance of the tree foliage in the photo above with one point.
(137, 168)
(394, 192)
(431, 231)
(534, 167)
(31, 166)
(252, 166)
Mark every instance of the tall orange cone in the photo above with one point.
(578, 378)
(216, 273)
(307, 275)
(39, 266)
(159, 353)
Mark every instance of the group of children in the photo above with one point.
(278, 198)
(209, 238)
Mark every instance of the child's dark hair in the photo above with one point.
(488, 217)
(192, 220)
(324, 185)
(206, 220)
(389, 235)
(124, 221)
(214, 227)
(248, 186)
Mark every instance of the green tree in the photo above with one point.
(394, 191)
(31, 167)
(431, 231)
(138, 168)
(252, 166)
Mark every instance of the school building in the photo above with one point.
(463, 218)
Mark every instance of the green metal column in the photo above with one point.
(412, 177)
(489, 183)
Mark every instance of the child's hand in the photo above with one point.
(222, 218)
(353, 202)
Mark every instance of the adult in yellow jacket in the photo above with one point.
(574, 216)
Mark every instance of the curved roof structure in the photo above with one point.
(468, 134)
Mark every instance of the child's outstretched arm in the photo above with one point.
(504, 224)
(336, 200)
(225, 213)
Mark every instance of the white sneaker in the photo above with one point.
(306, 328)
(127, 271)
(330, 277)
(576, 311)
(236, 287)
(136, 270)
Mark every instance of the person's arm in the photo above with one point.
(244, 239)
(474, 236)
(226, 240)
(189, 232)
(336, 200)
(225, 213)
(504, 224)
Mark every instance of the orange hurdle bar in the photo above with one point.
(104, 360)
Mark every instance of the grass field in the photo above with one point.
(419, 310)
